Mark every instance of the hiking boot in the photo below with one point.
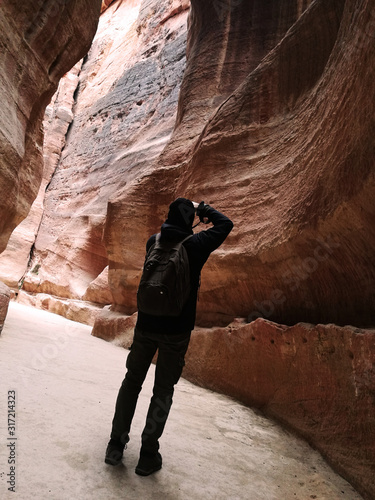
(114, 452)
(148, 464)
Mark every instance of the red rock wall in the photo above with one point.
(318, 380)
(124, 114)
(275, 127)
(16, 259)
(285, 147)
(40, 41)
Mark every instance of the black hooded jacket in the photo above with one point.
(198, 248)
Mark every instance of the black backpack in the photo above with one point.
(165, 282)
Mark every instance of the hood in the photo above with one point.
(171, 232)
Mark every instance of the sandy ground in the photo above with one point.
(66, 383)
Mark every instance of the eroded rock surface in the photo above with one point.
(267, 130)
(77, 310)
(286, 149)
(39, 41)
(125, 111)
(275, 127)
(16, 259)
(318, 380)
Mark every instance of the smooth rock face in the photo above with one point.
(4, 303)
(124, 114)
(286, 149)
(16, 258)
(318, 380)
(40, 41)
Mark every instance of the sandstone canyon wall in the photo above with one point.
(318, 380)
(124, 113)
(15, 261)
(283, 145)
(274, 125)
(267, 129)
(39, 42)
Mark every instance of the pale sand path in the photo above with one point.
(213, 448)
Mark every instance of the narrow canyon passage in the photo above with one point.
(66, 382)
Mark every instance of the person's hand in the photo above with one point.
(202, 212)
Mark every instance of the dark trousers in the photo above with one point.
(170, 362)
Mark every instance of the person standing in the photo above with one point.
(167, 334)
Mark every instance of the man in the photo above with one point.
(170, 335)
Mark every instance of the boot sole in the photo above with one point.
(111, 461)
(142, 472)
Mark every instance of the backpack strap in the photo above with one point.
(187, 238)
(156, 244)
(176, 245)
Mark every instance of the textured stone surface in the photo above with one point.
(288, 155)
(98, 290)
(39, 42)
(260, 130)
(4, 303)
(275, 127)
(318, 380)
(15, 259)
(115, 327)
(124, 115)
(77, 310)
(269, 129)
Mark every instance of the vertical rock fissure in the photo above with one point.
(55, 98)
(61, 96)
(58, 118)
(74, 92)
